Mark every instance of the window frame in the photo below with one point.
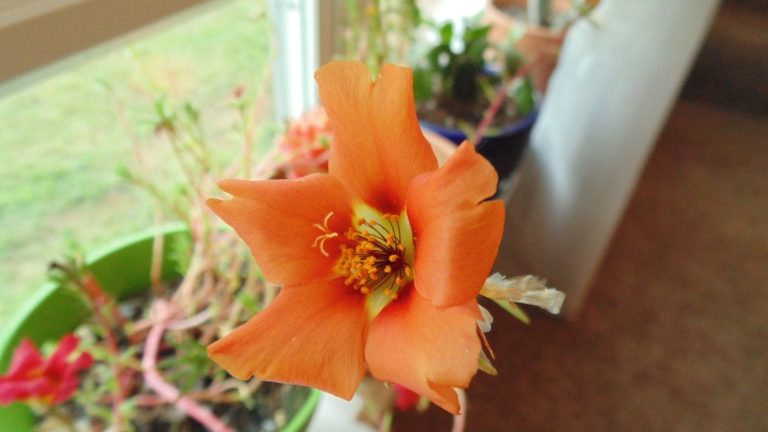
(37, 41)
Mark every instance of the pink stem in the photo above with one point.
(193, 321)
(171, 394)
(501, 95)
(459, 421)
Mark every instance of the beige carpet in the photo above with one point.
(674, 334)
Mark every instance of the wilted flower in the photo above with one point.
(50, 381)
(523, 289)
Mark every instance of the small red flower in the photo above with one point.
(34, 378)
(405, 399)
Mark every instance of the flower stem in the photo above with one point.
(459, 421)
(162, 313)
(100, 302)
(501, 95)
(156, 270)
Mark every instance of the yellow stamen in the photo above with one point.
(377, 258)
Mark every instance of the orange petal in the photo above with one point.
(309, 335)
(277, 219)
(426, 349)
(457, 235)
(378, 147)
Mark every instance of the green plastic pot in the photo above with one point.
(122, 268)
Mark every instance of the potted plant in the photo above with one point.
(540, 27)
(458, 81)
(470, 88)
(123, 270)
(134, 319)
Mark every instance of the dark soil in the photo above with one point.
(275, 404)
(453, 113)
(267, 409)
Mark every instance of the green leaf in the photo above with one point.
(249, 302)
(512, 62)
(524, 97)
(413, 11)
(446, 33)
(475, 51)
(423, 87)
(434, 55)
(513, 310)
(485, 365)
(165, 117)
(473, 34)
(191, 111)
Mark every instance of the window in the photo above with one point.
(63, 138)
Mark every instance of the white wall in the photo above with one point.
(608, 100)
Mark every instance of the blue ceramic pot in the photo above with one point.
(503, 150)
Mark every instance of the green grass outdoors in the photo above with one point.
(61, 140)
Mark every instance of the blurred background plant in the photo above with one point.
(151, 370)
(461, 74)
(66, 135)
(183, 109)
(478, 76)
(380, 31)
(305, 145)
(537, 28)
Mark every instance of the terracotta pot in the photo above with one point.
(539, 45)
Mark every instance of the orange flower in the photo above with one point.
(380, 260)
(305, 144)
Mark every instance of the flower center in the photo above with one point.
(380, 261)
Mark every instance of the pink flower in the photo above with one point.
(34, 378)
